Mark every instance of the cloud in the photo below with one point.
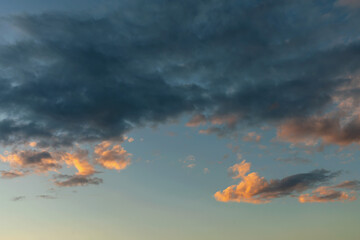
(46, 196)
(330, 130)
(324, 194)
(76, 180)
(189, 161)
(352, 185)
(112, 156)
(252, 137)
(19, 198)
(239, 170)
(37, 161)
(26, 162)
(191, 165)
(11, 174)
(87, 79)
(348, 3)
(79, 159)
(196, 120)
(255, 189)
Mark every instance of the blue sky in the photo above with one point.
(179, 120)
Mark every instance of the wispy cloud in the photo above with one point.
(18, 198)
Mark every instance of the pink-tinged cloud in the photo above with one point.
(351, 185)
(189, 161)
(329, 129)
(12, 174)
(239, 170)
(36, 161)
(191, 165)
(252, 137)
(326, 194)
(229, 120)
(245, 191)
(196, 120)
(112, 156)
(255, 189)
(80, 160)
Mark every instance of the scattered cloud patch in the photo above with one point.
(76, 180)
(252, 137)
(255, 189)
(112, 156)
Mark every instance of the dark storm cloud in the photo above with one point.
(82, 78)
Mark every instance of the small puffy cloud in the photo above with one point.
(191, 165)
(239, 170)
(112, 156)
(189, 161)
(206, 170)
(255, 189)
(129, 139)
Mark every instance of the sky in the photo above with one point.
(161, 119)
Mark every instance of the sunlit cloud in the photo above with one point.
(112, 156)
(37, 161)
(255, 189)
(326, 194)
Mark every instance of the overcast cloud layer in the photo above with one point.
(80, 78)
(67, 78)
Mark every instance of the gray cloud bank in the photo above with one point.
(77, 78)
